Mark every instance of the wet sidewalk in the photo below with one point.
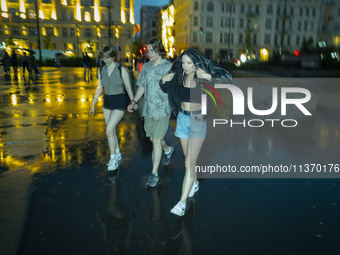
(58, 198)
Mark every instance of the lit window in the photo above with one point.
(87, 17)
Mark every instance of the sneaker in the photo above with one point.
(179, 209)
(112, 165)
(152, 181)
(195, 187)
(167, 157)
(118, 155)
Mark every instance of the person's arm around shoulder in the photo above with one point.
(96, 94)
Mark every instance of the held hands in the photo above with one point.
(91, 111)
(132, 107)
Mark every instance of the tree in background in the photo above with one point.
(48, 45)
(90, 46)
(10, 43)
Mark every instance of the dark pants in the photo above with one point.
(25, 65)
(15, 67)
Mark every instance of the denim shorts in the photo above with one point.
(191, 126)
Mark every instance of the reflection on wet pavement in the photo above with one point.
(53, 157)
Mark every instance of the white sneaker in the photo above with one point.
(179, 209)
(195, 187)
(118, 155)
(112, 165)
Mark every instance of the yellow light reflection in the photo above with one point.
(132, 15)
(23, 15)
(48, 100)
(14, 99)
(123, 15)
(64, 2)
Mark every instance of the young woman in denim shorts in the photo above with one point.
(185, 100)
(113, 80)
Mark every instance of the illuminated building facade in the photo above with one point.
(70, 24)
(167, 30)
(228, 28)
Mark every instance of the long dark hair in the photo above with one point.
(199, 61)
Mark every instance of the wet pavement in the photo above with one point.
(58, 198)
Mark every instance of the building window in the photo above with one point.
(87, 17)
(0, 30)
(102, 3)
(268, 23)
(275, 40)
(88, 33)
(232, 38)
(292, 11)
(196, 6)
(266, 39)
(73, 32)
(277, 25)
(240, 38)
(221, 37)
(301, 12)
(221, 22)
(313, 12)
(228, 7)
(297, 41)
(208, 38)
(248, 24)
(299, 26)
(209, 22)
(71, 16)
(312, 26)
(242, 8)
(226, 38)
(269, 9)
(257, 9)
(31, 14)
(254, 40)
(103, 17)
(102, 33)
(222, 7)
(305, 26)
(110, 17)
(307, 12)
(278, 10)
(49, 31)
(63, 16)
(249, 8)
(128, 35)
(210, 7)
(195, 21)
(195, 37)
(288, 40)
(241, 23)
(64, 32)
(227, 22)
(32, 31)
(46, 1)
(109, 3)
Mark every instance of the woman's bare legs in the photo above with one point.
(112, 119)
(191, 149)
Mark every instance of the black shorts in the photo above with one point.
(114, 102)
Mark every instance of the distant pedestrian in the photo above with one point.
(57, 61)
(15, 61)
(99, 63)
(33, 65)
(25, 63)
(7, 63)
(86, 63)
(113, 78)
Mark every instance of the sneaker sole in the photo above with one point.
(112, 168)
(177, 212)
